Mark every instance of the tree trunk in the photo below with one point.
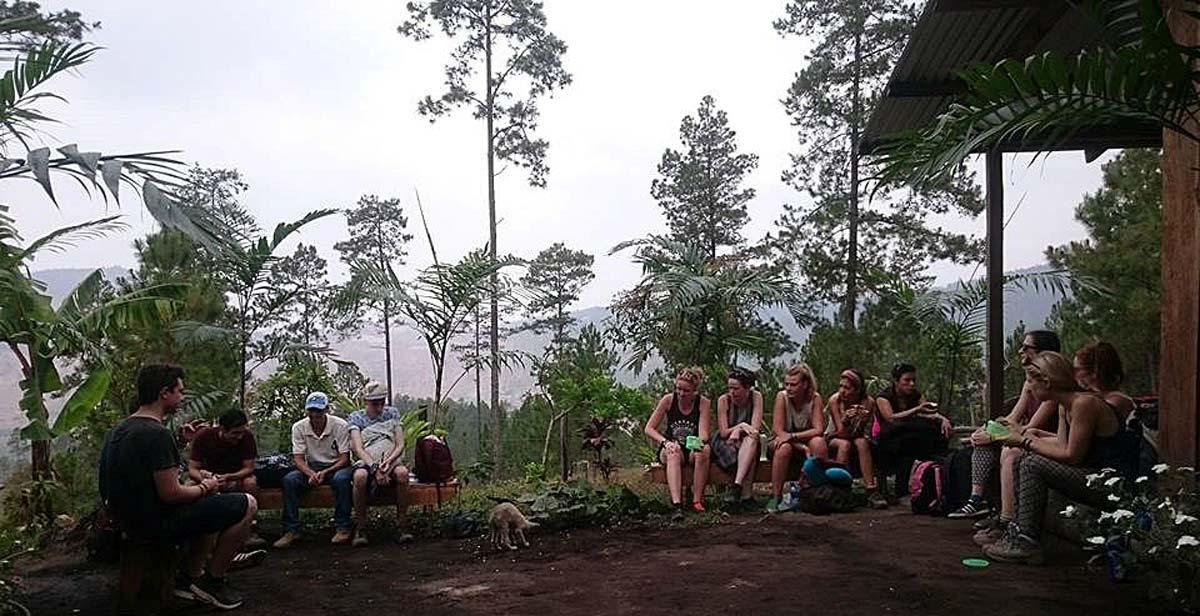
(852, 265)
(564, 464)
(478, 391)
(387, 345)
(435, 406)
(494, 334)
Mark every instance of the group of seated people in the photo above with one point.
(211, 507)
(880, 433)
(1071, 420)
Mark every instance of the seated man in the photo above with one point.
(378, 441)
(321, 453)
(139, 482)
(227, 452)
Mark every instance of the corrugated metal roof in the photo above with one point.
(953, 34)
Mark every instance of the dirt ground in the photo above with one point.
(863, 563)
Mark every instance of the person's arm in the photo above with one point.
(246, 471)
(1044, 416)
(171, 492)
(195, 469)
(651, 429)
(300, 453)
(835, 414)
(705, 419)
(397, 448)
(890, 414)
(723, 428)
(779, 418)
(757, 416)
(1024, 402)
(1072, 445)
(356, 444)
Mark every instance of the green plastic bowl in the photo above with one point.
(975, 563)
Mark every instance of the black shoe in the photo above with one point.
(971, 509)
(183, 586)
(733, 494)
(216, 592)
(678, 515)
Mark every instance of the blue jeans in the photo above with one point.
(295, 484)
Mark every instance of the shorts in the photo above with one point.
(211, 514)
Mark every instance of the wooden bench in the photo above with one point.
(321, 497)
(716, 476)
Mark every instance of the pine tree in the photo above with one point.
(555, 278)
(700, 188)
(844, 246)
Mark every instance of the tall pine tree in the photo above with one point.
(700, 188)
(844, 245)
(554, 279)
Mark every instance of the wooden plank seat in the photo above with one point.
(321, 497)
(716, 476)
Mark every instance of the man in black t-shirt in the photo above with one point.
(139, 482)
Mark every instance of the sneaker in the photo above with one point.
(988, 536)
(972, 509)
(341, 537)
(245, 560)
(988, 522)
(773, 505)
(286, 540)
(698, 507)
(1016, 548)
(875, 500)
(183, 587)
(733, 494)
(216, 592)
(360, 539)
(678, 515)
(403, 538)
(254, 542)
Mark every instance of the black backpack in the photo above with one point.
(958, 478)
(269, 470)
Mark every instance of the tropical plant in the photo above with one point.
(596, 439)
(509, 43)
(1136, 73)
(696, 311)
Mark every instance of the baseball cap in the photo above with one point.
(317, 400)
(375, 391)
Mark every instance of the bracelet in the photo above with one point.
(1027, 444)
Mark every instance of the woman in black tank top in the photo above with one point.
(679, 415)
(1090, 433)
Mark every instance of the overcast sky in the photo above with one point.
(315, 102)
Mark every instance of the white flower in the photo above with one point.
(1121, 514)
(1183, 518)
(1069, 512)
(1141, 479)
(1097, 540)
(1092, 479)
(1166, 503)
(1160, 468)
(1187, 541)
(1114, 498)
(1112, 482)
(1107, 471)
(1153, 550)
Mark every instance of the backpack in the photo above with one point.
(269, 470)
(825, 499)
(433, 462)
(926, 487)
(958, 478)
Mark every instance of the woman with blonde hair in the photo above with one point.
(679, 417)
(798, 422)
(1091, 435)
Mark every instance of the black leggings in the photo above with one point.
(1035, 476)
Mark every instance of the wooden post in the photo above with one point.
(1179, 368)
(995, 278)
(564, 462)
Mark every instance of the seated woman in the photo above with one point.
(988, 454)
(735, 447)
(852, 411)
(798, 421)
(1098, 369)
(683, 413)
(907, 427)
(1091, 435)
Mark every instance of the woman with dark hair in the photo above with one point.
(735, 447)
(1091, 436)
(987, 454)
(851, 411)
(1098, 368)
(907, 427)
(680, 416)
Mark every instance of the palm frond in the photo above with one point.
(66, 237)
(20, 86)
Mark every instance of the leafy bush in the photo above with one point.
(1152, 528)
(578, 505)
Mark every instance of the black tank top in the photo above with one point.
(1117, 451)
(681, 426)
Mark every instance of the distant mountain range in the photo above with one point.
(411, 370)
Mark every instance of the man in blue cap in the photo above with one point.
(321, 452)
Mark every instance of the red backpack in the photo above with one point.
(433, 462)
(926, 487)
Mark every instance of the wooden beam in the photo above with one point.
(926, 89)
(994, 169)
(1179, 367)
(952, 6)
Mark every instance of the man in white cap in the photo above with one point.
(321, 453)
(377, 437)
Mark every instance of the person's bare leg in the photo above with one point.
(780, 462)
(361, 498)
(672, 459)
(400, 486)
(699, 474)
(817, 447)
(230, 540)
(747, 458)
(865, 464)
(1009, 457)
(841, 450)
